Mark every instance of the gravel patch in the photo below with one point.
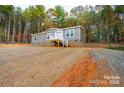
(115, 61)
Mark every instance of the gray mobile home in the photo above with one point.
(63, 35)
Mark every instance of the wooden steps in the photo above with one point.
(60, 43)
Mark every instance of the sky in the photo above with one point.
(62, 2)
(67, 4)
(66, 7)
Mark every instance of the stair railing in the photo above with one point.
(65, 42)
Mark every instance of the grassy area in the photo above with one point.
(117, 47)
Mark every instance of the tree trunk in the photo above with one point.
(0, 35)
(20, 28)
(5, 31)
(107, 31)
(24, 33)
(100, 29)
(8, 36)
(38, 25)
(13, 36)
(19, 34)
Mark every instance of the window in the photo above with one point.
(69, 33)
(35, 38)
(48, 37)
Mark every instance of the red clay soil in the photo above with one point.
(13, 45)
(85, 72)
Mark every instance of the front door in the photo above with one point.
(59, 35)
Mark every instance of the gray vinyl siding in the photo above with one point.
(76, 36)
(34, 41)
(42, 38)
(39, 38)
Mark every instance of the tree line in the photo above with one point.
(102, 23)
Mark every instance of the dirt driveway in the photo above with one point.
(35, 66)
(43, 66)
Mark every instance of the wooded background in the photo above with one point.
(102, 23)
